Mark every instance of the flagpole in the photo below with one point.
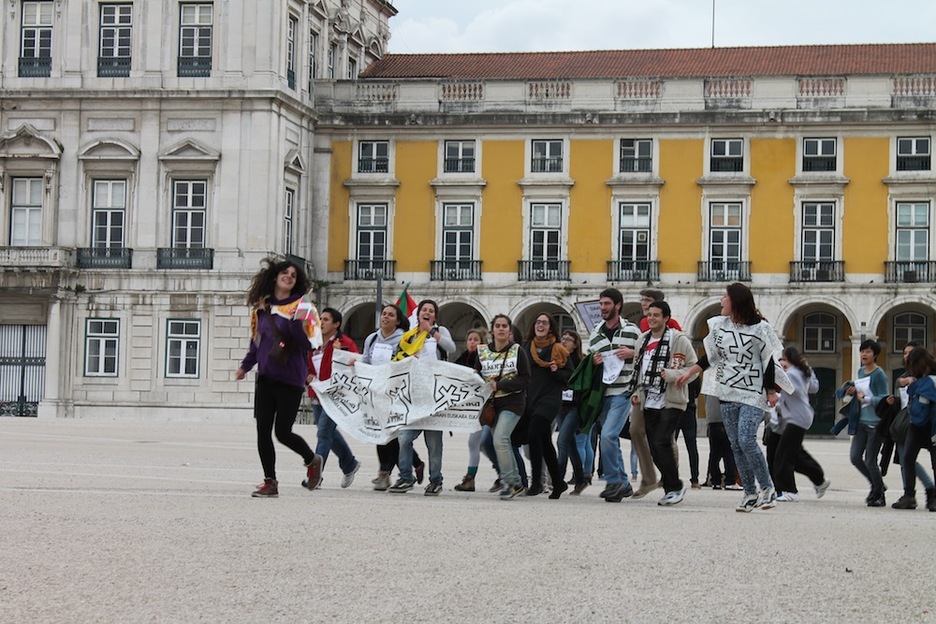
(377, 304)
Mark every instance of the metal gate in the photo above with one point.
(22, 369)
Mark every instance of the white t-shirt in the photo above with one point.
(653, 399)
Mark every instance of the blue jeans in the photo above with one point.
(583, 441)
(504, 448)
(741, 423)
(330, 439)
(614, 412)
(865, 448)
(433, 443)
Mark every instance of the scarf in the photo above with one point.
(658, 360)
(559, 353)
(411, 343)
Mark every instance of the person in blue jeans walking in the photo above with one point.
(869, 389)
(611, 346)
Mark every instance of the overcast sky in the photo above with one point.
(540, 25)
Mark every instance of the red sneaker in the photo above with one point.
(314, 472)
(268, 489)
(420, 471)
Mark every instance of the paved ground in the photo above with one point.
(137, 522)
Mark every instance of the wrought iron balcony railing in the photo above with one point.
(724, 271)
(35, 67)
(817, 271)
(910, 272)
(113, 67)
(633, 270)
(104, 258)
(543, 270)
(185, 258)
(194, 66)
(369, 269)
(455, 270)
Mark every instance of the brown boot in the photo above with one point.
(467, 484)
(382, 482)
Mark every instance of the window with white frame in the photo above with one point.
(819, 331)
(332, 60)
(374, 157)
(116, 37)
(26, 212)
(818, 231)
(371, 233)
(183, 343)
(108, 213)
(458, 231)
(292, 27)
(36, 39)
(819, 154)
(189, 213)
(725, 235)
(545, 231)
(313, 55)
(195, 35)
(914, 153)
(288, 221)
(352, 69)
(727, 155)
(636, 156)
(102, 338)
(546, 156)
(634, 233)
(913, 223)
(909, 327)
(459, 157)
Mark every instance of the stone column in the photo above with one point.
(49, 404)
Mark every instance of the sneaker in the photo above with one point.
(510, 491)
(534, 491)
(313, 473)
(877, 501)
(433, 489)
(788, 497)
(672, 498)
(646, 488)
(609, 489)
(561, 487)
(420, 472)
(579, 488)
(382, 482)
(931, 499)
(620, 493)
(348, 477)
(467, 484)
(734, 486)
(767, 499)
(747, 503)
(497, 487)
(905, 502)
(821, 489)
(401, 486)
(268, 489)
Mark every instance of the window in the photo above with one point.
(288, 221)
(188, 214)
(457, 231)
(195, 40)
(724, 235)
(36, 45)
(352, 69)
(108, 213)
(547, 157)
(459, 157)
(546, 232)
(183, 339)
(332, 60)
(907, 327)
(372, 233)
(636, 155)
(819, 333)
(913, 154)
(912, 232)
(819, 155)
(818, 231)
(634, 235)
(26, 212)
(116, 34)
(374, 157)
(102, 337)
(313, 64)
(727, 155)
(291, 28)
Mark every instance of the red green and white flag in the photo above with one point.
(406, 303)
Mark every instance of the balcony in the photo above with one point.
(104, 258)
(913, 163)
(455, 270)
(42, 258)
(194, 66)
(633, 270)
(636, 165)
(724, 271)
(35, 67)
(817, 271)
(543, 270)
(369, 269)
(546, 165)
(373, 165)
(910, 272)
(727, 164)
(113, 67)
(184, 258)
(459, 165)
(819, 163)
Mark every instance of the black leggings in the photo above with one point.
(275, 408)
(541, 449)
(918, 437)
(388, 454)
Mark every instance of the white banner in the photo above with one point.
(373, 403)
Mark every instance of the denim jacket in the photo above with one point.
(923, 402)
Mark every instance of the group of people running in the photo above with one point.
(626, 381)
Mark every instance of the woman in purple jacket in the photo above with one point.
(284, 327)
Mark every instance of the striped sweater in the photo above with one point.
(624, 336)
